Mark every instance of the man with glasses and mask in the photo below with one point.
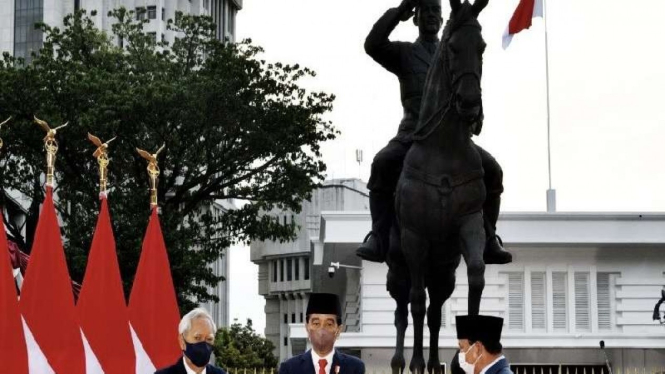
(480, 350)
(197, 337)
(324, 324)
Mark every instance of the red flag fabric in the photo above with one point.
(13, 352)
(47, 301)
(101, 306)
(521, 19)
(153, 308)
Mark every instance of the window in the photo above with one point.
(121, 42)
(301, 315)
(443, 315)
(77, 5)
(582, 307)
(516, 301)
(289, 267)
(27, 38)
(152, 12)
(286, 339)
(297, 265)
(140, 13)
(603, 284)
(306, 268)
(559, 314)
(538, 301)
(163, 14)
(281, 268)
(286, 318)
(293, 318)
(274, 271)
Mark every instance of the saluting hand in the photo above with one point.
(407, 8)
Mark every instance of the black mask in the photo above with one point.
(198, 353)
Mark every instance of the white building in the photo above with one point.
(576, 279)
(17, 18)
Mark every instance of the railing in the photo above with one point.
(251, 371)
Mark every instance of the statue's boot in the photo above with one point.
(494, 251)
(375, 245)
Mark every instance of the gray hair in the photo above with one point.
(186, 321)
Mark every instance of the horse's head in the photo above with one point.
(464, 50)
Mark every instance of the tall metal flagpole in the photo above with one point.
(551, 193)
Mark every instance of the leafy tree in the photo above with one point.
(235, 127)
(241, 347)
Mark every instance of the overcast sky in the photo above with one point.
(606, 100)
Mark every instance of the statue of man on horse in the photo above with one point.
(434, 194)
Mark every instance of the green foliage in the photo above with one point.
(235, 127)
(241, 347)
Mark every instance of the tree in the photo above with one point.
(241, 347)
(235, 127)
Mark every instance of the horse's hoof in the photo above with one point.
(417, 365)
(434, 366)
(398, 364)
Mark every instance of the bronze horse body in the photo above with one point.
(440, 193)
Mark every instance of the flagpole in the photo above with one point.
(551, 193)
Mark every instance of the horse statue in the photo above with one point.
(440, 194)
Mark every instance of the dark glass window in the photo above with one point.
(293, 318)
(27, 38)
(140, 13)
(286, 318)
(163, 14)
(286, 340)
(152, 12)
(306, 268)
(281, 273)
(274, 271)
(301, 319)
(289, 267)
(297, 265)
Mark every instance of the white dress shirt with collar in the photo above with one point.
(328, 358)
(188, 369)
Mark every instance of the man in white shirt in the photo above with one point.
(324, 324)
(479, 339)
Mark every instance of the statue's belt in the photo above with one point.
(442, 180)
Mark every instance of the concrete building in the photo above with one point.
(17, 18)
(577, 278)
(286, 274)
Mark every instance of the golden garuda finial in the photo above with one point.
(153, 172)
(102, 156)
(51, 147)
(1, 124)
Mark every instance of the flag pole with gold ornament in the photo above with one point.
(2, 124)
(102, 156)
(51, 147)
(153, 172)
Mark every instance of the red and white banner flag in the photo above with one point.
(153, 307)
(101, 306)
(51, 329)
(521, 19)
(13, 352)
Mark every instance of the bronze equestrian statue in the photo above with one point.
(410, 63)
(441, 193)
(448, 195)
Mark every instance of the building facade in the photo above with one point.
(576, 279)
(18, 17)
(286, 272)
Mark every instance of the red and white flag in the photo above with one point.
(13, 352)
(101, 306)
(153, 307)
(51, 329)
(521, 19)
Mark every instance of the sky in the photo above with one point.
(606, 96)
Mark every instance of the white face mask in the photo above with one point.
(467, 367)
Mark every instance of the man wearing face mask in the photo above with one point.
(197, 337)
(324, 324)
(480, 350)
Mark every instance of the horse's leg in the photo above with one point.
(398, 286)
(440, 285)
(472, 237)
(415, 252)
